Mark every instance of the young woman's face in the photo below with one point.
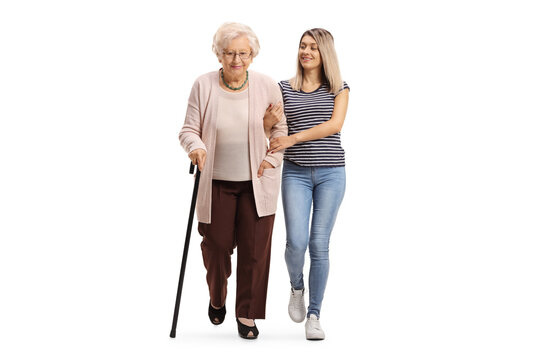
(308, 53)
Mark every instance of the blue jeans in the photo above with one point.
(302, 186)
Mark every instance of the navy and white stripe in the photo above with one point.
(304, 111)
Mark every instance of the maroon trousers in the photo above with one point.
(235, 224)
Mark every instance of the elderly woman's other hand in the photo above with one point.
(198, 157)
(264, 165)
(272, 116)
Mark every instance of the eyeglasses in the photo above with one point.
(230, 55)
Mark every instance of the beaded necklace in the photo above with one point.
(229, 86)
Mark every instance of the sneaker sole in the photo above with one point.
(298, 321)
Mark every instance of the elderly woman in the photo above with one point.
(224, 136)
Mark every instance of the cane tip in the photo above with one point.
(173, 333)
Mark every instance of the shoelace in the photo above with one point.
(297, 300)
(315, 324)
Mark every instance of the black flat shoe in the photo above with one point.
(218, 314)
(243, 331)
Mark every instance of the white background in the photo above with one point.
(435, 252)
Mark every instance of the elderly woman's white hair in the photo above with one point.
(230, 31)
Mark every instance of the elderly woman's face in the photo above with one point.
(232, 58)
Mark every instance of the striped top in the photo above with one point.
(304, 111)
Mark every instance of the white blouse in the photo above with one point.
(232, 147)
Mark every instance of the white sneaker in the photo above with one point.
(297, 308)
(313, 328)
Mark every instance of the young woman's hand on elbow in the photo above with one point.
(272, 116)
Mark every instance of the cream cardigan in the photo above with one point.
(199, 132)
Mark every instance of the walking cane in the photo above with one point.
(186, 248)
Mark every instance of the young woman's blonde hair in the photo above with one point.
(229, 31)
(330, 66)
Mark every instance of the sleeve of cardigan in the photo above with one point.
(190, 135)
(279, 129)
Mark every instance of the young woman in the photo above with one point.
(313, 182)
